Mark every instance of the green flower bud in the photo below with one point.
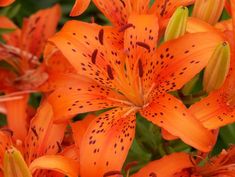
(14, 164)
(217, 68)
(177, 24)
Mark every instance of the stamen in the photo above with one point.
(34, 132)
(110, 72)
(59, 147)
(111, 173)
(101, 36)
(120, 101)
(164, 7)
(93, 56)
(152, 174)
(123, 3)
(7, 130)
(135, 108)
(130, 165)
(6, 98)
(31, 30)
(144, 45)
(124, 27)
(141, 72)
(149, 91)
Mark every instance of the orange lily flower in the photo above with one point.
(4, 3)
(40, 146)
(131, 78)
(217, 109)
(23, 48)
(118, 11)
(182, 165)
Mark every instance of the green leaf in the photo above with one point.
(14, 11)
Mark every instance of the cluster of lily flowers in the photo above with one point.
(133, 67)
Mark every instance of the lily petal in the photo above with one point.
(196, 25)
(13, 37)
(56, 61)
(225, 25)
(5, 2)
(116, 11)
(95, 49)
(165, 8)
(140, 6)
(171, 114)
(79, 7)
(213, 111)
(57, 163)
(167, 136)
(180, 60)
(166, 166)
(79, 128)
(38, 28)
(17, 118)
(81, 95)
(106, 142)
(140, 42)
(43, 137)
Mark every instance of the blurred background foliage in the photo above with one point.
(148, 144)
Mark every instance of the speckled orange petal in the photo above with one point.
(91, 52)
(38, 28)
(81, 95)
(12, 38)
(43, 137)
(17, 117)
(5, 142)
(79, 7)
(106, 142)
(80, 127)
(166, 166)
(116, 11)
(5, 2)
(165, 8)
(140, 6)
(140, 42)
(171, 114)
(57, 163)
(214, 111)
(180, 60)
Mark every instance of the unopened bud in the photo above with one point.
(177, 24)
(208, 10)
(14, 164)
(217, 68)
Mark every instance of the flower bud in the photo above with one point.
(217, 68)
(14, 164)
(208, 10)
(177, 24)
